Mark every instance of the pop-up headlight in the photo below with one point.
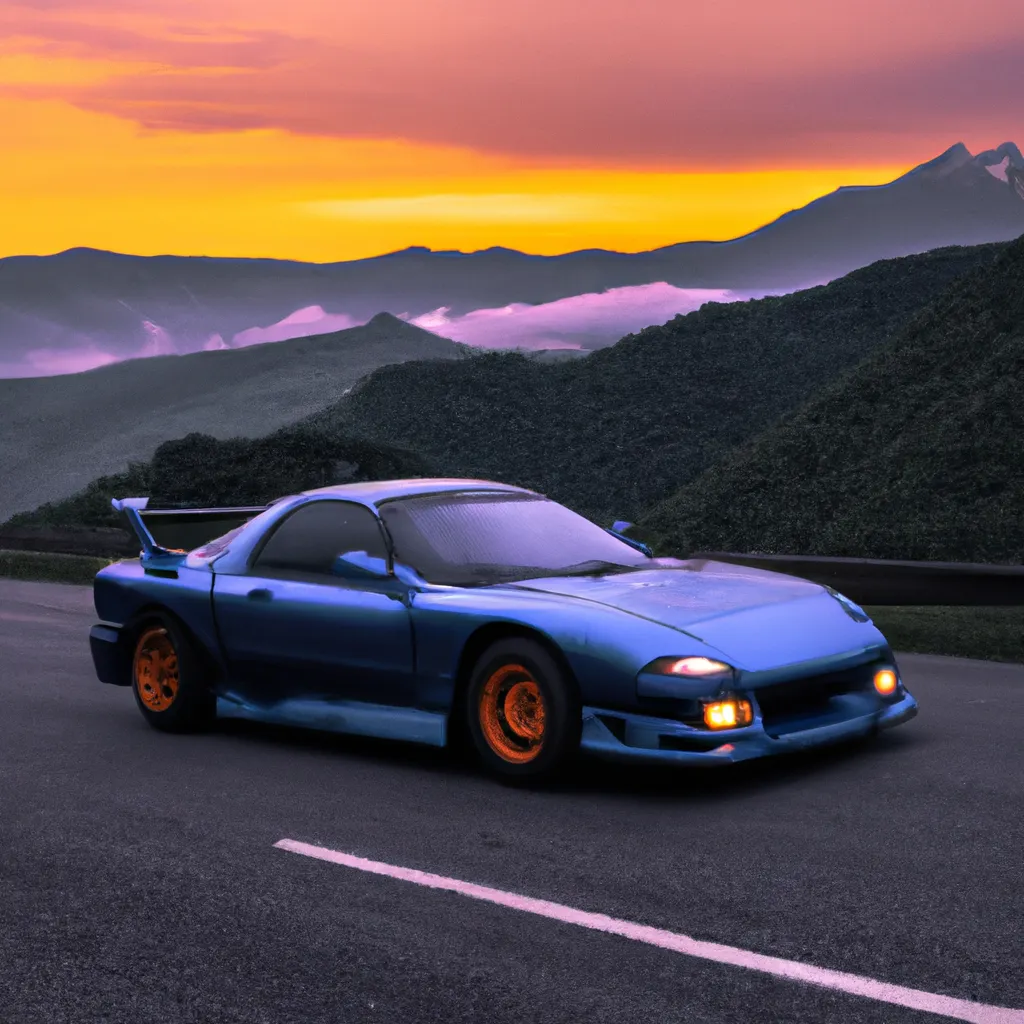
(691, 668)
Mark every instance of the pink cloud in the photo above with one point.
(743, 83)
(300, 324)
(181, 47)
(581, 321)
(158, 342)
(91, 6)
(48, 362)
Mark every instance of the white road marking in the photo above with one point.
(854, 984)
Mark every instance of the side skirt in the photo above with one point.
(351, 717)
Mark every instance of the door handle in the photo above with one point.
(260, 594)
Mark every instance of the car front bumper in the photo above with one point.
(641, 738)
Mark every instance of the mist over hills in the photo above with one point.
(59, 433)
(888, 400)
(614, 432)
(916, 453)
(85, 304)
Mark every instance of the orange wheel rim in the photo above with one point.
(156, 669)
(512, 714)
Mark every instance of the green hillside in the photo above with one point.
(614, 432)
(59, 433)
(918, 453)
(199, 470)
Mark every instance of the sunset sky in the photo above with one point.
(335, 129)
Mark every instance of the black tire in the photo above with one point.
(522, 713)
(170, 677)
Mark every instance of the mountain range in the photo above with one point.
(84, 304)
(624, 427)
(610, 434)
(916, 453)
(61, 432)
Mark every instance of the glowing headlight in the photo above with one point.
(728, 714)
(695, 667)
(885, 681)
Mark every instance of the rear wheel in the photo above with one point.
(169, 678)
(523, 713)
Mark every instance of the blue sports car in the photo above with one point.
(428, 609)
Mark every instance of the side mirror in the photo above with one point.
(358, 565)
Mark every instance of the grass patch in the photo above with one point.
(991, 633)
(47, 567)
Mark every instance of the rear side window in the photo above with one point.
(312, 537)
(212, 548)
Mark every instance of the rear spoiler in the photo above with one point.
(167, 535)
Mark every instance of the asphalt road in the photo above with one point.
(139, 881)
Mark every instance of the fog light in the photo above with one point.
(728, 714)
(885, 681)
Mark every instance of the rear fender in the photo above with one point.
(126, 594)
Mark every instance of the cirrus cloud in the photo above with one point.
(740, 82)
(178, 47)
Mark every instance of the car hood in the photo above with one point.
(759, 619)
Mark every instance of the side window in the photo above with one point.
(311, 538)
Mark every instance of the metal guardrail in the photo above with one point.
(191, 528)
(101, 541)
(879, 581)
(865, 580)
(172, 528)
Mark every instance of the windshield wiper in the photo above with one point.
(594, 567)
(486, 574)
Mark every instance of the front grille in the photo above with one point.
(811, 695)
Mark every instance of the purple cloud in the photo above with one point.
(581, 321)
(578, 322)
(49, 362)
(300, 324)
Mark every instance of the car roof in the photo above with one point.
(373, 492)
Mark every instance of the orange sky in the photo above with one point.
(333, 129)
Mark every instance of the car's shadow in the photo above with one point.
(593, 776)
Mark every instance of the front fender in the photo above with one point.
(605, 647)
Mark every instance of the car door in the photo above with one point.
(292, 628)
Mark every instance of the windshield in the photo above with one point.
(477, 538)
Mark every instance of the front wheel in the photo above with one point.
(523, 713)
(169, 678)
